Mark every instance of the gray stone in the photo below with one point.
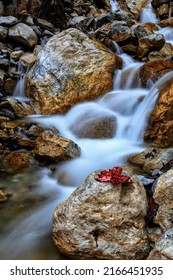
(8, 20)
(24, 34)
(3, 33)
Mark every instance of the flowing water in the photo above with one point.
(27, 222)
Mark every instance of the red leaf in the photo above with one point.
(113, 176)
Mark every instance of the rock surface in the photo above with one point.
(24, 34)
(100, 221)
(163, 196)
(163, 249)
(155, 69)
(55, 148)
(71, 68)
(153, 159)
(160, 128)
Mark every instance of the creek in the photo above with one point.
(26, 223)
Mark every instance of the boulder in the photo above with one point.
(8, 20)
(155, 69)
(166, 51)
(27, 60)
(153, 159)
(135, 7)
(160, 126)
(101, 221)
(20, 108)
(166, 22)
(163, 11)
(52, 147)
(23, 34)
(163, 196)
(101, 127)
(163, 249)
(150, 43)
(70, 68)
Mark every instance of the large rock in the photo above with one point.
(23, 34)
(153, 159)
(55, 148)
(160, 127)
(100, 221)
(163, 249)
(163, 196)
(8, 20)
(71, 68)
(155, 69)
(157, 3)
(149, 43)
(135, 7)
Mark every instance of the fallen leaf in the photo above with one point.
(113, 176)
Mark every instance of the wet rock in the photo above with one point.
(100, 221)
(163, 11)
(160, 126)
(24, 34)
(15, 55)
(3, 33)
(8, 20)
(135, 7)
(45, 24)
(21, 109)
(163, 196)
(149, 43)
(166, 51)
(27, 60)
(153, 159)
(157, 3)
(163, 249)
(9, 86)
(166, 22)
(99, 128)
(4, 63)
(55, 148)
(70, 68)
(17, 160)
(3, 197)
(155, 69)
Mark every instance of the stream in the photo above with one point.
(26, 222)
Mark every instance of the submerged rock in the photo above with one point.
(71, 68)
(100, 221)
(163, 249)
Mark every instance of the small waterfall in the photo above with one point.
(128, 77)
(19, 91)
(167, 32)
(147, 14)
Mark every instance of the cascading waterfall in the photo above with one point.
(147, 14)
(19, 91)
(129, 105)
